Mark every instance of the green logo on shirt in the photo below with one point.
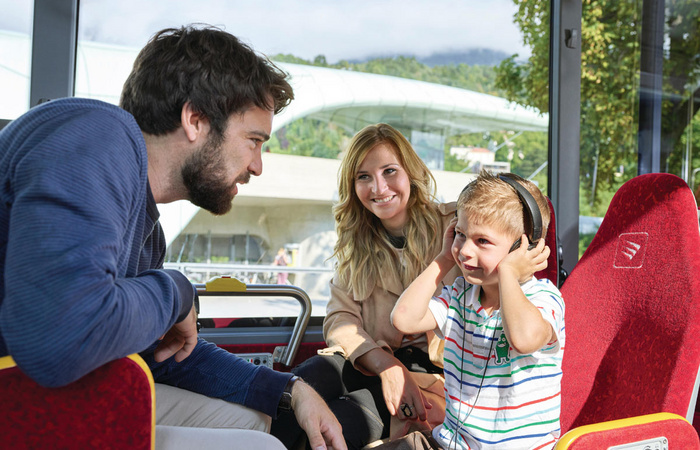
(502, 349)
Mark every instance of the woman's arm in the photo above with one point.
(344, 326)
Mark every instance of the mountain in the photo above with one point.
(471, 57)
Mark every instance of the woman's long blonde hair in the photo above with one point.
(363, 249)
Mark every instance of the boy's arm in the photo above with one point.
(411, 314)
(525, 328)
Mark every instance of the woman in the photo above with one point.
(281, 260)
(389, 229)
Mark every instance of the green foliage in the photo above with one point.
(584, 240)
(454, 164)
(309, 137)
(525, 151)
(610, 62)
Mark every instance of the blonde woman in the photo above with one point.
(379, 382)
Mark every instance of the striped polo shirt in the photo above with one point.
(497, 397)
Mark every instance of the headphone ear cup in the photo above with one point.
(531, 211)
(516, 245)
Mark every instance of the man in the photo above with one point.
(80, 183)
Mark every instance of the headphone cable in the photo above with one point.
(461, 373)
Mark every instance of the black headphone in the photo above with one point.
(531, 213)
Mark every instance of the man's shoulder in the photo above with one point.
(87, 108)
(65, 112)
(96, 121)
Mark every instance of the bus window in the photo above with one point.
(15, 57)
(439, 75)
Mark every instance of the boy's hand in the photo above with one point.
(447, 240)
(523, 263)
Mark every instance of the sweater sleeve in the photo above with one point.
(68, 308)
(216, 373)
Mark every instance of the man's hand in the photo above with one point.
(180, 340)
(316, 418)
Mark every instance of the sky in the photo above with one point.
(337, 29)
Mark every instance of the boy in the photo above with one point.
(503, 329)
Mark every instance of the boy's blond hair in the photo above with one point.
(488, 200)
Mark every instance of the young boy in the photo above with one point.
(503, 329)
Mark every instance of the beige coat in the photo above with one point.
(353, 327)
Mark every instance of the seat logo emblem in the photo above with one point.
(631, 248)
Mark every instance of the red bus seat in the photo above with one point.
(632, 320)
(111, 407)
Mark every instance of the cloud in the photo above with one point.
(338, 29)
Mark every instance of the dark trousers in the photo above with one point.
(355, 399)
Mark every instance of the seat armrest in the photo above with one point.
(671, 431)
(111, 407)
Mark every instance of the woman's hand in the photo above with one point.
(398, 386)
(402, 395)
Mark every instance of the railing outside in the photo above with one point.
(312, 280)
(247, 273)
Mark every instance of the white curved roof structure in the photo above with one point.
(354, 99)
(346, 98)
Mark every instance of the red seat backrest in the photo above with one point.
(632, 322)
(552, 270)
(110, 407)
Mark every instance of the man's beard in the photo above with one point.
(204, 175)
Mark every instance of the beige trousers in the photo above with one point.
(186, 420)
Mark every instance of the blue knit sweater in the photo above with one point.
(81, 253)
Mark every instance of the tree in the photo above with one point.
(610, 54)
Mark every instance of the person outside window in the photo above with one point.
(281, 260)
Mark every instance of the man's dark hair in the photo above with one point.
(206, 66)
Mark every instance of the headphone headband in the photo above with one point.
(531, 212)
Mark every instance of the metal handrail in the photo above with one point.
(287, 354)
(225, 267)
